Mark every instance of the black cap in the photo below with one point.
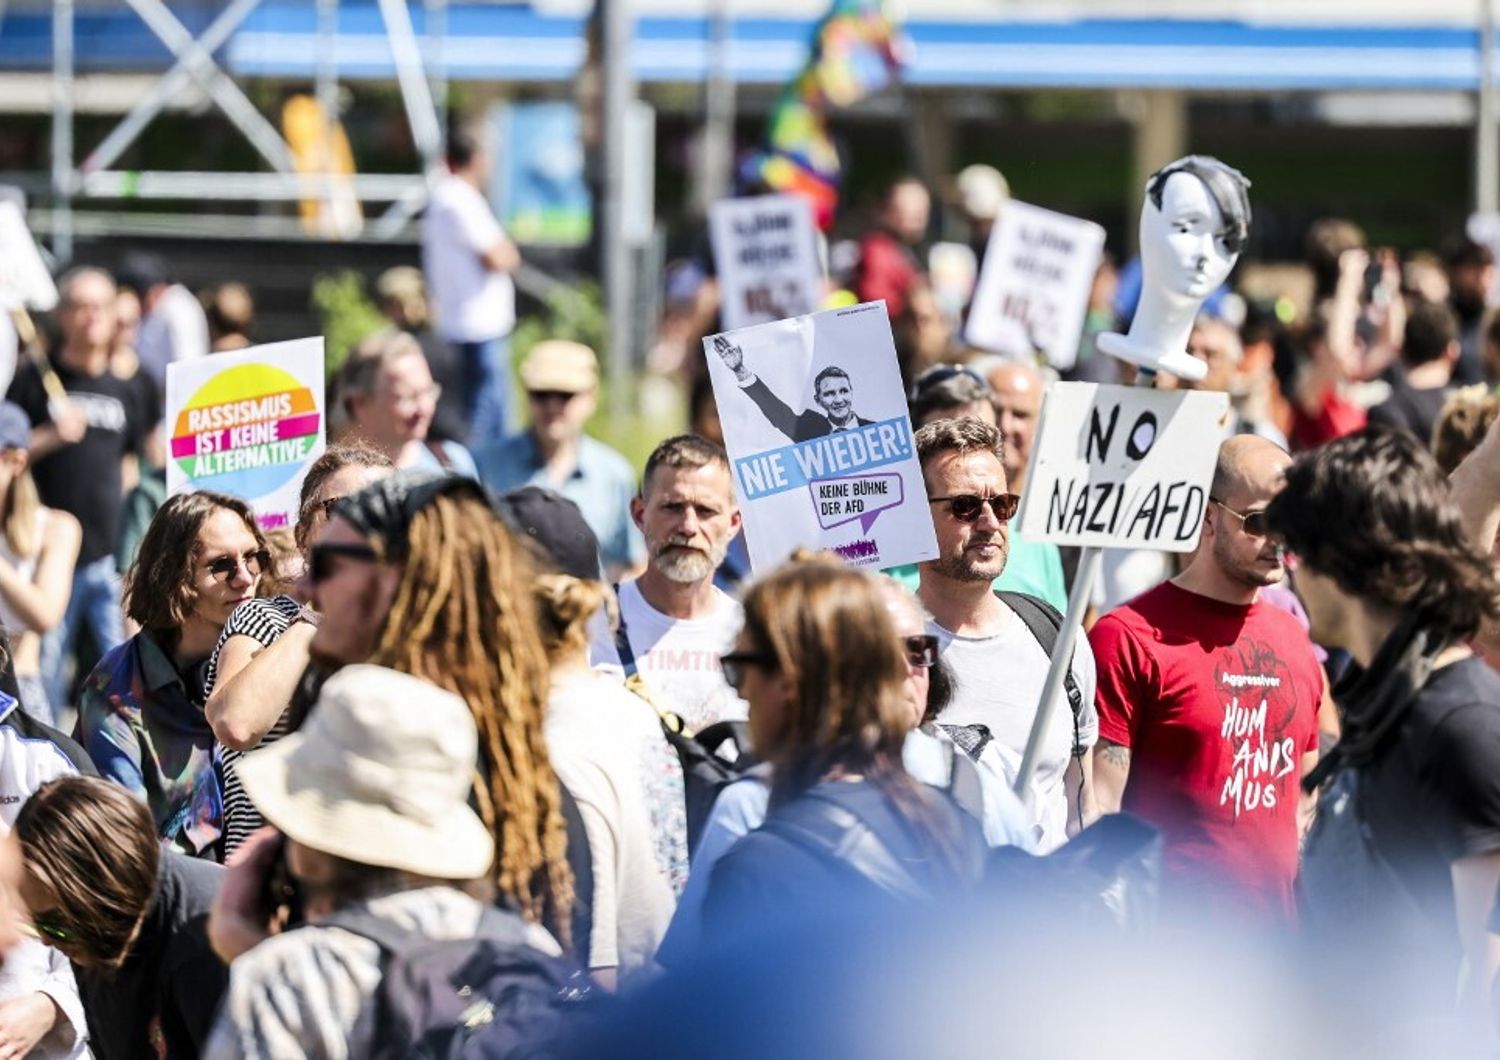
(557, 528)
(142, 270)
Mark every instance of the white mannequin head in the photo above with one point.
(1194, 222)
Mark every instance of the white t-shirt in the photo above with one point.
(998, 683)
(679, 658)
(470, 302)
(174, 330)
(609, 752)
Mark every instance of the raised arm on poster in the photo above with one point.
(766, 256)
(248, 423)
(1033, 292)
(815, 422)
(1195, 220)
(1122, 467)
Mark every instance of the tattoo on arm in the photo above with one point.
(1115, 754)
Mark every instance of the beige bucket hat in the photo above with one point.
(379, 775)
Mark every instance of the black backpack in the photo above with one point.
(705, 772)
(1045, 621)
(491, 995)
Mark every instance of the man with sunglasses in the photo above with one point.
(999, 665)
(562, 386)
(1208, 702)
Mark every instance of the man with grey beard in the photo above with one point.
(676, 621)
(998, 663)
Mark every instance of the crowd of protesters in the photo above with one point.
(503, 744)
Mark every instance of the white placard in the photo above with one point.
(766, 254)
(1034, 287)
(248, 423)
(819, 439)
(25, 282)
(1122, 467)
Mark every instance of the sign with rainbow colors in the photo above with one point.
(248, 423)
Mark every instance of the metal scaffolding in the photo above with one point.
(421, 79)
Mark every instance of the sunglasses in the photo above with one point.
(224, 567)
(967, 506)
(735, 663)
(1255, 523)
(322, 558)
(51, 929)
(921, 650)
(542, 397)
(940, 374)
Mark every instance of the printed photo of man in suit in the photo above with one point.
(832, 391)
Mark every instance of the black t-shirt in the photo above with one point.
(1415, 410)
(84, 479)
(170, 987)
(1433, 795)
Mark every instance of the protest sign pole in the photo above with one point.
(1062, 652)
(1062, 656)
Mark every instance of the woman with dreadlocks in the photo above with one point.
(417, 573)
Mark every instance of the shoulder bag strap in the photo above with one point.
(1045, 621)
(824, 827)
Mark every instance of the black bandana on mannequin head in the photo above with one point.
(1228, 186)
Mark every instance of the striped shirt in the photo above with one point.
(263, 620)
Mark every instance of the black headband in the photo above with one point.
(385, 508)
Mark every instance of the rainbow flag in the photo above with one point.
(857, 50)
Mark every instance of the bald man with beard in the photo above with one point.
(1208, 699)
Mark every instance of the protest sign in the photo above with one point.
(1122, 467)
(767, 259)
(248, 423)
(25, 282)
(1034, 287)
(840, 474)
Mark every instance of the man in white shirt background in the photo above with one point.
(468, 261)
(173, 326)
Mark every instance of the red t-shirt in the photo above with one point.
(1218, 703)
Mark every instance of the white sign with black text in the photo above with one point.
(25, 282)
(1122, 467)
(766, 254)
(820, 444)
(1034, 288)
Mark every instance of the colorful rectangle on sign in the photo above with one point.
(766, 256)
(1033, 290)
(248, 423)
(819, 440)
(1122, 467)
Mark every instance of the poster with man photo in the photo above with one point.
(821, 447)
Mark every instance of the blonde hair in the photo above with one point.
(462, 620)
(22, 502)
(565, 604)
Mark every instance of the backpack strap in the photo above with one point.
(820, 825)
(636, 683)
(1045, 622)
(358, 920)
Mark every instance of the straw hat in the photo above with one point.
(380, 775)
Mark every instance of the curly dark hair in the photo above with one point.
(159, 588)
(1371, 510)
